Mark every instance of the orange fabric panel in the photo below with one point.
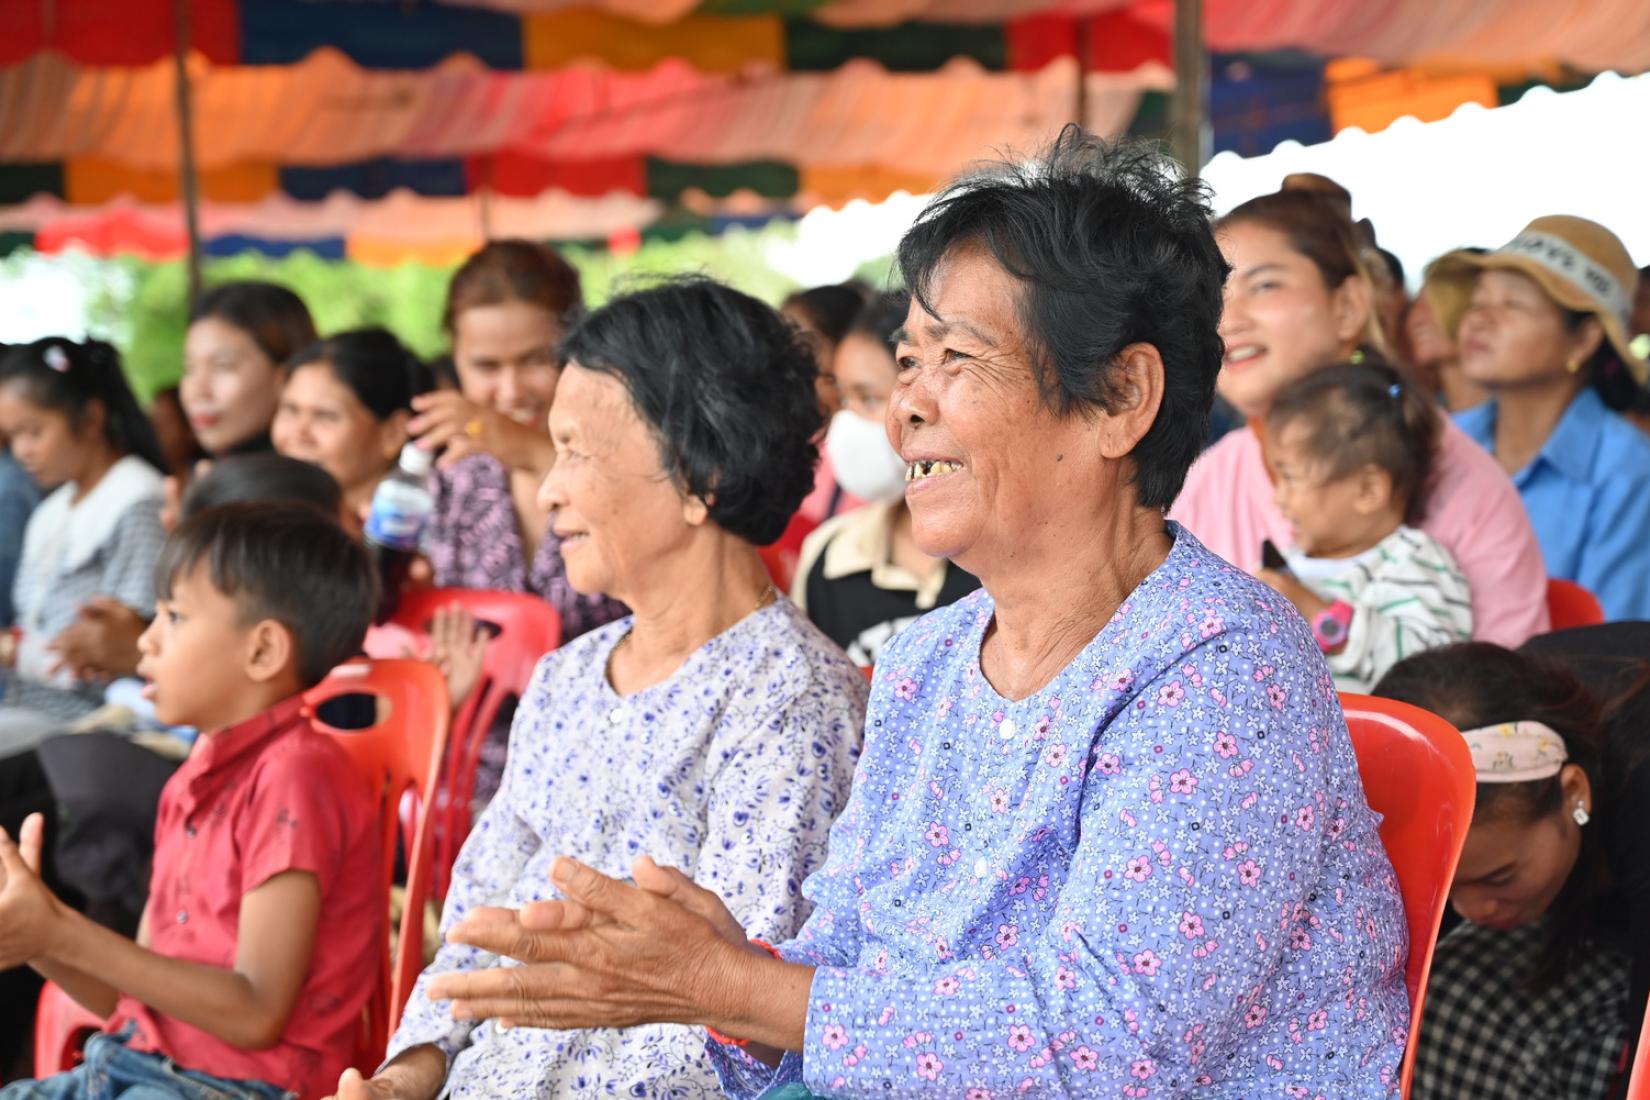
(838, 185)
(387, 252)
(89, 181)
(711, 44)
(1374, 98)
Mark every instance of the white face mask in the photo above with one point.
(865, 462)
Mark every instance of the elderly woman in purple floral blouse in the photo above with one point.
(1107, 835)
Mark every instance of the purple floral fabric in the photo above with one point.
(1156, 877)
(474, 541)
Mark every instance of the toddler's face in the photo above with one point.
(194, 653)
(1323, 511)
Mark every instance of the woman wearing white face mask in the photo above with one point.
(862, 577)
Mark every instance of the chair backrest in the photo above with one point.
(399, 757)
(1638, 1085)
(1569, 604)
(527, 628)
(782, 557)
(61, 1029)
(1418, 776)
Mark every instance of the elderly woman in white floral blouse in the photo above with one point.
(715, 730)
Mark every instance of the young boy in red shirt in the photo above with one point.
(265, 836)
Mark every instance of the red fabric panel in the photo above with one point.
(119, 231)
(1038, 39)
(1118, 42)
(527, 176)
(117, 32)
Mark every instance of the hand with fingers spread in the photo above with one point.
(448, 422)
(613, 955)
(458, 646)
(29, 912)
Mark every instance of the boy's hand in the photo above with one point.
(29, 913)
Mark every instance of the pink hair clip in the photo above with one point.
(56, 358)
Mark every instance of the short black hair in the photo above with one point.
(1112, 246)
(266, 476)
(1365, 413)
(882, 317)
(286, 561)
(378, 368)
(727, 387)
(830, 309)
(274, 317)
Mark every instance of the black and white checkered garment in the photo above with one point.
(1485, 1037)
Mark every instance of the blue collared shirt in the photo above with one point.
(1588, 495)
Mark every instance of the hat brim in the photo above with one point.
(1450, 278)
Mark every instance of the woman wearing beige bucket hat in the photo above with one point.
(1542, 325)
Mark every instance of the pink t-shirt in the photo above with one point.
(1473, 509)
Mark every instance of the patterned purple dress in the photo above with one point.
(474, 541)
(1156, 877)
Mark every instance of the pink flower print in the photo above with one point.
(1170, 694)
(1021, 885)
(1249, 873)
(1304, 817)
(1182, 782)
(906, 689)
(1143, 1069)
(1277, 695)
(1019, 1037)
(1055, 756)
(1318, 1021)
(1226, 744)
(946, 987)
(1300, 939)
(1139, 869)
(1255, 1016)
(1212, 624)
(979, 1094)
(1147, 963)
(835, 1037)
(1044, 724)
(1108, 764)
(1065, 977)
(945, 706)
(1336, 828)
(999, 801)
(1123, 680)
(1085, 1059)
(938, 835)
(1008, 935)
(1191, 926)
(929, 1065)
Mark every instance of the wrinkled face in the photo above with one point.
(1428, 342)
(989, 463)
(44, 441)
(1280, 321)
(505, 356)
(1323, 510)
(1513, 334)
(611, 502)
(230, 387)
(1512, 869)
(865, 375)
(194, 652)
(320, 420)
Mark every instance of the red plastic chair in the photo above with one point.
(783, 556)
(1418, 776)
(528, 628)
(61, 1029)
(1569, 604)
(400, 759)
(1638, 1085)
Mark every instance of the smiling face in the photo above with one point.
(505, 356)
(320, 420)
(1333, 517)
(616, 510)
(230, 387)
(989, 463)
(1281, 320)
(1513, 335)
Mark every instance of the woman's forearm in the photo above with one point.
(766, 1002)
(417, 1073)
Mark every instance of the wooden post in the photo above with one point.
(189, 184)
(1189, 129)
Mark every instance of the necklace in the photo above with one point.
(768, 596)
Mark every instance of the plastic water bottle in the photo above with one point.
(401, 506)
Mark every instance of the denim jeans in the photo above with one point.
(111, 1071)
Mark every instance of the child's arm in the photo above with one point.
(247, 1006)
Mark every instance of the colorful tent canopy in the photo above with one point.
(400, 113)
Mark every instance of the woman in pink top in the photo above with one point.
(1297, 300)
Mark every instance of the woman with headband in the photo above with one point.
(1539, 990)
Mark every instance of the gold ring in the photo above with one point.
(473, 428)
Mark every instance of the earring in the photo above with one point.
(1581, 816)
(1573, 366)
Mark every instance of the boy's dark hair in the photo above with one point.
(285, 561)
(1362, 413)
(263, 476)
(1111, 246)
